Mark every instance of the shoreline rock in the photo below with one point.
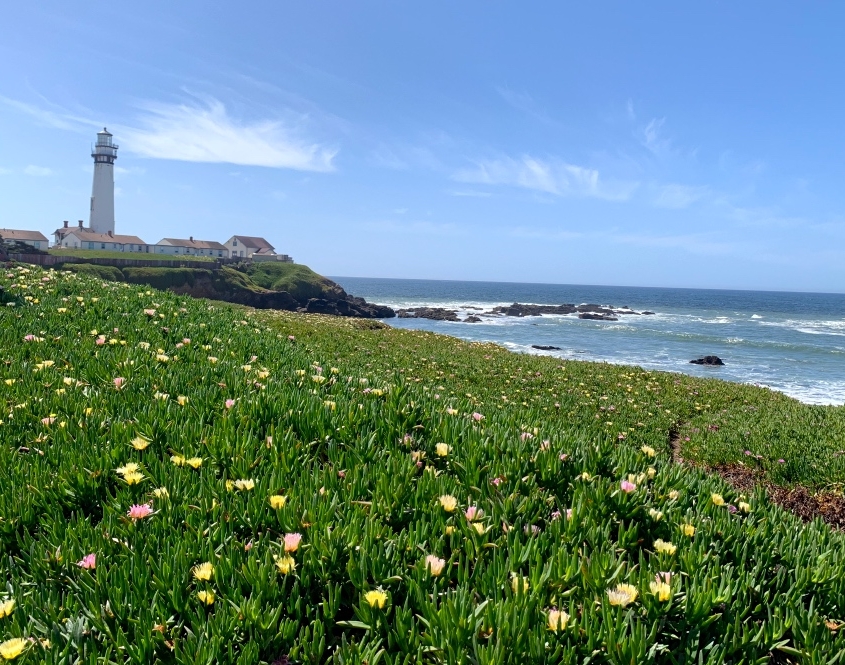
(545, 347)
(709, 361)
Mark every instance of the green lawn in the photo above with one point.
(192, 482)
(104, 254)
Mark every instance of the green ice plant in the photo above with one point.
(189, 482)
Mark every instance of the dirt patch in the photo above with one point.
(800, 501)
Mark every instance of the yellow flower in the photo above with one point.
(332, 405)
(450, 530)
(278, 501)
(660, 589)
(717, 499)
(161, 493)
(376, 598)
(557, 620)
(449, 503)
(194, 462)
(129, 467)
(133, 478)
(206, 597)
(285, 564)
(162, 358)
(664, 547)
(300, 372)
(139, 443)
(651, 472)
(245, 484)
(11, 649)
(442, 449)
(656, 515)
(246, 368)
(622, 595)
(203, 571)
(263, 374)
(9, 382)
(452, 412)
(674, 494)
(178, 460)
(518, 582)
(6, 608)
(479, 528)
(212, 360)
(744, 506)
(182, 400)
(318, 378)
(648, 451)
(688, 530)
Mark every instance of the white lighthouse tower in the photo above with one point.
(102, 191)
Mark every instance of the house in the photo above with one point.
(82, 238)
(34, 238)
(60, 233)
(248, 247)
(191, 247)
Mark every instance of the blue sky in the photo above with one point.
(661, 143)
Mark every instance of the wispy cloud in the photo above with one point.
(385, 157)
(38, 171)
(679, 196)
(59, 119)
(470, 192)
(525, 103)
(652, 138)
(550, 176)
(206, 133)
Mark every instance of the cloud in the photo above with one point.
(470, 192)
(5, 171)
(57, 119)
(650, 137)
(384, 157)
(38, 171)
(552, 177)
(524, 102)
(206, 133)
(678, 196)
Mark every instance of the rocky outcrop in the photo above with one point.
(710, 361)
(351, 306)
(606, 312)
(472, 319)
(593, 316)
(433, 313)
(545, 347)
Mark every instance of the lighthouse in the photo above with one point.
(104, 153)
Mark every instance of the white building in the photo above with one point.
(34, 238)
(249, 246)
(191, 247)
(102, 189)
(82, 238)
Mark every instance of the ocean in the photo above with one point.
(791, 342)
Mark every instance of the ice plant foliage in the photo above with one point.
(316, 520)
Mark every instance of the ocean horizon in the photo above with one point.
(790, 341)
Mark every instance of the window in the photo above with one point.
(234, 243)
(102, 245)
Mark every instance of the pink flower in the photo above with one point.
(252, 359)
(48, 420)
(179, 345)
(100, 341)
(341, 474)
(118, 382)
(292, 541)
(474, 513)
(187, 340)
(291, 338)
(627, 487)
(569, 513)
(248, 546)
(556, 515)
(29, 338)
(545, 445)
(230, 403)
(477, 417)
(150, 312)
(523, 436)
(89, 562)
(496, 481)
(137, 512)
(663, 577)
(564, 457)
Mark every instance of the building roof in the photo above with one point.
(196, 244)
(90, 236)
(265, 250)
(254, 243)
(16, 234)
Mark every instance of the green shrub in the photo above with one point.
(166, 278)
(110, 273)
(298, 280)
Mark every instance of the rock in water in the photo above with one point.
(544, 347)
(711, 361)
(472, 319)
(597, 317)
